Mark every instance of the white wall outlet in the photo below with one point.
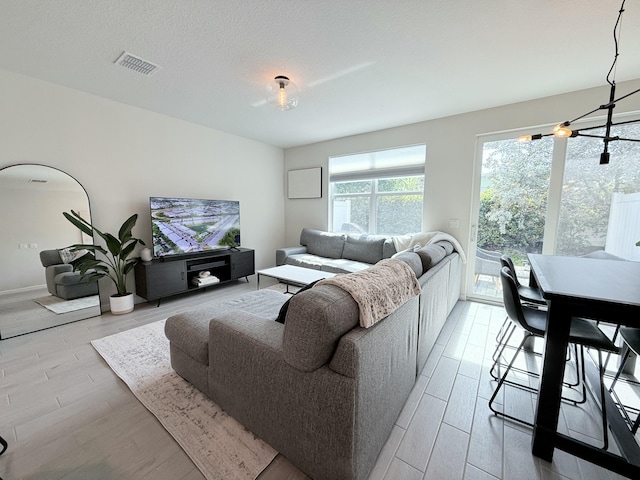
(23, 246)
(33, 245)
(454, 223)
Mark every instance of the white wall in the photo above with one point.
(33, 216)
(123, 155)
(451, 145)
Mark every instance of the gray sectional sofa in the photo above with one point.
(319, 388)
(438, 267)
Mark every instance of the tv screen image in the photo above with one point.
(187, 225)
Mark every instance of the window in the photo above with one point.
(599, 208)
(554, 197)
(378, 192)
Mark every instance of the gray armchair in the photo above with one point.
(487, 263)
(62, 281)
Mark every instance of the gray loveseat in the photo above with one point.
(320, 389)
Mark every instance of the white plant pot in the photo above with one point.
(121, 304)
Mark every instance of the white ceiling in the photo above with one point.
(361, 65)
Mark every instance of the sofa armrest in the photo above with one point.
(58, 269)
(283, 253)
(50, 257)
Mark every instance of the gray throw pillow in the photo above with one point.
(363, 249)
(448, 246)
(323, 244)
(412, 259)
(431, 255)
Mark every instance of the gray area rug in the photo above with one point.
(219, 446)
(58, 305)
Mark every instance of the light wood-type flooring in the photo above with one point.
(67, 416)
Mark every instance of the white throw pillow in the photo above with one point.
(67, 255)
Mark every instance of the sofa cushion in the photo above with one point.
(448, 246)
(412, 259)
(389, 248)
(333, 265)
(343, 265)
(71, 278)
(316, 320)
(282, 315)
(431, 255)
(323, 244)
(305, 260)
(363, 249)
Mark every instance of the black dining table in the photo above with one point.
(600, 289)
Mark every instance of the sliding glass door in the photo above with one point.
(514, 186)
(553, 197)
(599, 206)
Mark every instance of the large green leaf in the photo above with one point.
(124, 233)
(113, 244)
(80, 223)
(91, 248)
(127, 249)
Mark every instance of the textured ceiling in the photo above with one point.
(360, 65)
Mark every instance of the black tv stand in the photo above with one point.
(166, 276)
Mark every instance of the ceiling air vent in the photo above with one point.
(37, 180)
(137, 64)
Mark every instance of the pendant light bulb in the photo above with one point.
(282, 93)
(282, 97)
(563, 132)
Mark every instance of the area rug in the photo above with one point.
(58, 305)
(219, 446)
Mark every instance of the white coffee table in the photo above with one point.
(292, 275)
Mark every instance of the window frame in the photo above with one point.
(373, 175)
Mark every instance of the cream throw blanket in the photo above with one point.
(402, 242)
(378, 290)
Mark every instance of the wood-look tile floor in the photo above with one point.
(67, 416)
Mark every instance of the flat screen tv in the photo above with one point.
(187, 225)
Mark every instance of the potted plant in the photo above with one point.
(115, 262)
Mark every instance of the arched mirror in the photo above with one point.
(38, 288)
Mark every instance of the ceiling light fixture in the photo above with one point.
(282, 93)
(562, 130)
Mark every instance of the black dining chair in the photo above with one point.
(503, 342)
(631, 338)
(583, 333)
(529, 296)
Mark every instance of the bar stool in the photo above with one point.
(529, 296)
(583, 333)
(631, 338)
